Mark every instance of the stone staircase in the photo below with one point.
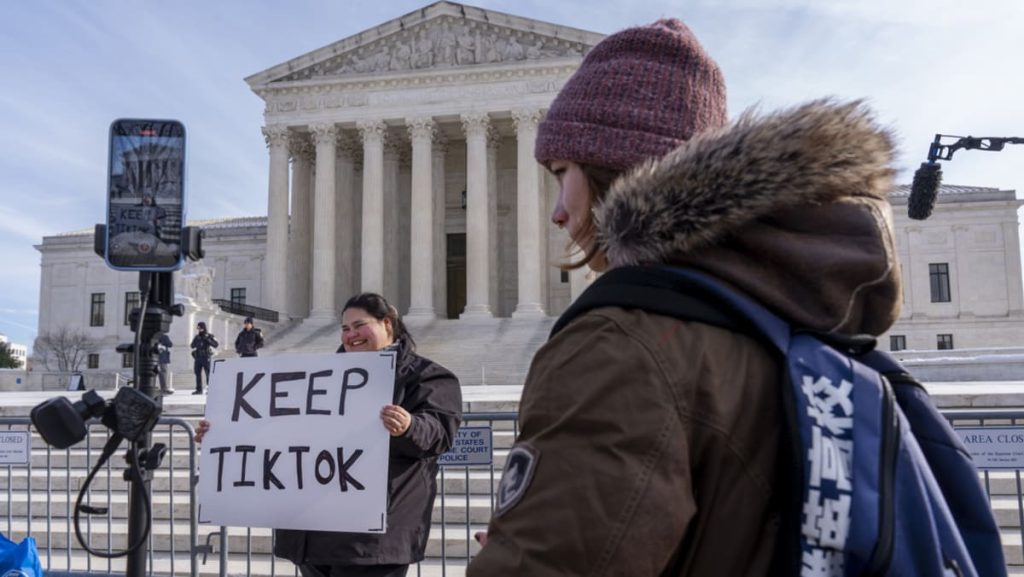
(480, 352)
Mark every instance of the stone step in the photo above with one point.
(82, 459)
(85, 452)
(61, 506)
(258, 543)
(482, 480)
(58, 480)
(453, 508)
(1012, 548)
(479, 481)
(1002, 482)
(455, 540)
(496, 351)
(255, 565)
(78, 470)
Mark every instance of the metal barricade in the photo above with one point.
(464, 504)
(1002, 483)
(51, 479)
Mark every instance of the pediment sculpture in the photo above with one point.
(445, 42)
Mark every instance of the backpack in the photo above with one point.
(881, 483)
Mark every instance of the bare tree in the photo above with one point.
(7, 358)
(64, 349)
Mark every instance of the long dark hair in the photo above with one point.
(599, 180)
(378, 307)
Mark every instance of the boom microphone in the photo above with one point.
(923, 190)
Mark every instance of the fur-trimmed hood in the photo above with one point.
(789, 207)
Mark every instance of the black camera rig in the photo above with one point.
(132, 413)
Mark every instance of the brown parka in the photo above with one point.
(651, 446)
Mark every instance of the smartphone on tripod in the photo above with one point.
(145, 195)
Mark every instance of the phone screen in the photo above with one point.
(146, 195)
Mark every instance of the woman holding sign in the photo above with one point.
(423, 422)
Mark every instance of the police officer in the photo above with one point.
(164, 349)
(249, 339)
(202, 349)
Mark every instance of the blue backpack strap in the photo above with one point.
(680, 293)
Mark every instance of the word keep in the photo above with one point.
(281, 401)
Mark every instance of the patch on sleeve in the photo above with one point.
(519, 469)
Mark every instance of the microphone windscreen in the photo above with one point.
(923, 190)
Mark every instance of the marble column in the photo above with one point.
(346, 219)
(421, 226)
(300, 248)
(439, 152)
(373, 133)
(916, 287)
(477, 126)
(276, 277)
(493, 247)
(906, 272)
(325, 137)
(1011, 252)
(528, 210)
(960, 276)
(393, 229)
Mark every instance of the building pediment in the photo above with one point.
(441, 36)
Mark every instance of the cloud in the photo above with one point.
(21, 224)
(19, 311)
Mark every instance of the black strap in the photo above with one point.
(657, 291)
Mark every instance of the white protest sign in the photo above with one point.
(296, 442)
(14, 448)
(994, 447)
(472, 446)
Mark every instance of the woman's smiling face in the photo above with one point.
(361, 332)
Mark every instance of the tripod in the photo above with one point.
(158, 298)
(149, 322)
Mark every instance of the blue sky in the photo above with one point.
(69, 67)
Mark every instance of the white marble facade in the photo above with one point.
(389, 146)
(975, 233)
(72, 276)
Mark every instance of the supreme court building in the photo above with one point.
(410, 148)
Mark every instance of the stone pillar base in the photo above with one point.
(323, 315)
(477, 312)
(528, 311)
(421, 313)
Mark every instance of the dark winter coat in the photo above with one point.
(165, 349)
(650, 446)
(202, 345)
(248, 342)
(432, 395)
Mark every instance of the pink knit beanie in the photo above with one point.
(638, 94)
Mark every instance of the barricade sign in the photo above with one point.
(994, 447)
(473, 446)
(296, 442)
(14, 447)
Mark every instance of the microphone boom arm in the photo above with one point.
(940, 151)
